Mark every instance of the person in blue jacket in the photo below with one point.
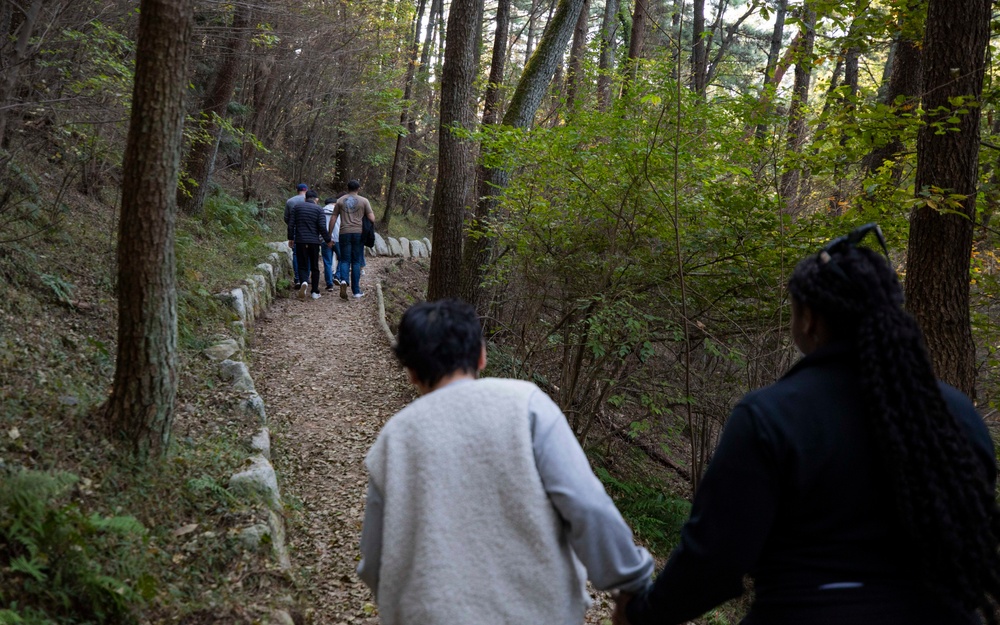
(858, 489)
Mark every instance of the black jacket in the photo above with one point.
(307, 224)
(794, 497)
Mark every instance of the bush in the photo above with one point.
(61, 565)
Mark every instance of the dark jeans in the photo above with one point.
(350, 245)
(308, 256)
(328, 264)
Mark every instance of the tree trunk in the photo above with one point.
(770, 70)
(574, 75)
(520, 114)
(940, 246)
(399, 155)
(796, 135)
(140, 410)
(201, 158)
(902, 93)
(699, 55)
(606, 63)
(635, 42)
(455, 162)
(12, 67)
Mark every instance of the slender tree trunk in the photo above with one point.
(574, 75)
(455, 161)
(940, 246)
(529, 47)
(699, 55)
(201, 158)
(398, 168)
(606, 63)
(902, 93)
(771, 79)
(796, 136)
(140, 410)
(635, 43)
(12, 67)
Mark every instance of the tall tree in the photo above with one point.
(201, 158)
(902, 90)
(699, 55)
(796, 135)
(140, 410)
(520, 114)
(636, 39)
(455, 161)
(12, 61)
(605, 64)
(771, 79)
(398, 168)
(940, 245)
(574, 76)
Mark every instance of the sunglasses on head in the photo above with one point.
(851, 239)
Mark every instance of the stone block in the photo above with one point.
(380, 246)
(237, 373)
(258, 478)
(404, 246)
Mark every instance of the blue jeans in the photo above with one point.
(350, 245)
(295, 263)
(342, 266)
(328, 264)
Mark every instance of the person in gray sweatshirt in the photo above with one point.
(482, 507)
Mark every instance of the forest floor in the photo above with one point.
(330, 381)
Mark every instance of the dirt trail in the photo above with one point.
(330, 381)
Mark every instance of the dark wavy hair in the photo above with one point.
(944, 499)
(436, 339)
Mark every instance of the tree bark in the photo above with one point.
(12, 67)
(140, 410)
(940, 245)
(902, 93)
(606, 63)
(699, 55)
(796, 134)
(455, 162)
(635, 42)
(398, 167)
(770, 70)
(520, 114)
(201, 158)
(574, 75)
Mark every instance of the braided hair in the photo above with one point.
(944, 499)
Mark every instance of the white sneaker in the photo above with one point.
(303, 291)
(358, 295)
(316, 295)
(362, 271)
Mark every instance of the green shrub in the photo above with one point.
(61, 565)
(655, 517)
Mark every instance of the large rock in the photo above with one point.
(394, 247)
(253, 406)
(238, 374)
(427, 244)
(404, 246)
(236, 300)
(258, 478)
(380, 247)
(417, 249)
(222, 350)
(251, 537)
(261, 443)
(285, 253)
(267, 270)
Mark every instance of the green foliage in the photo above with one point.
(655, 517)
(63, 565)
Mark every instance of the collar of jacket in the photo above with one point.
(834, 351)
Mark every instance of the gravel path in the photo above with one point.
(330, 382)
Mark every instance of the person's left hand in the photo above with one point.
(621, 602)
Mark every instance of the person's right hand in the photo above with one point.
(618, 617)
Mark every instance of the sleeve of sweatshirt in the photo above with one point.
(371, 540)
(598, 533)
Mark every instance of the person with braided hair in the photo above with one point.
(855, 490)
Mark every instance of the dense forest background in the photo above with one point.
(622, 188)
